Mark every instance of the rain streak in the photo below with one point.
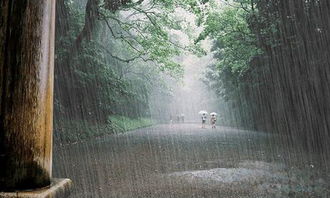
(192, 98)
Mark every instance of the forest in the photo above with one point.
(271, 71)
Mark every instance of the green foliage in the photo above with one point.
(116, 68)
(144, 33)
(236, 44)
(121, 124)
(238, 68)
(72, 131)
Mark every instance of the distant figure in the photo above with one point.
(178, 118)
(182, 118)
(204, 117)
(213, 121)
(171, 119)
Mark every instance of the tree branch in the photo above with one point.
(140, 56)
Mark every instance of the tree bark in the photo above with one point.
(26, 100)
(91, 16)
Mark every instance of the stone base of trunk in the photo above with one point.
(59, 188)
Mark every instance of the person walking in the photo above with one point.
(204, 118)
(213, 121)
(178, 118)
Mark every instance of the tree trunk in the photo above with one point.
(26, 100)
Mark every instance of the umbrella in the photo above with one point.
(202, 112)
(213, 114)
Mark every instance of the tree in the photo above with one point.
(101, 50)
(272, 66)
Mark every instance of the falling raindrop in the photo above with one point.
(131, 79)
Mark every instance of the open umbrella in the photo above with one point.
(213, 114)
(202, 112)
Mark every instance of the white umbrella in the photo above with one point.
(202, 112)
(213, 114)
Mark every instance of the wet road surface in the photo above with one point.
(187, 161)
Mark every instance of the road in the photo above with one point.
(186, 161)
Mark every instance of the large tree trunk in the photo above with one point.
(26, 102)
(91, 17)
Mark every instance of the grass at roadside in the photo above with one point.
(121, 123)
(72, 131)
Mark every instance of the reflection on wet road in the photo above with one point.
(187, 161)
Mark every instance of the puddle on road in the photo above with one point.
(247, 171)
(262, 178)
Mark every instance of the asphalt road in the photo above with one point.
(186, 161)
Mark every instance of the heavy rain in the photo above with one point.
(179, 98)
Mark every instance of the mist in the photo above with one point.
(132, 79)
